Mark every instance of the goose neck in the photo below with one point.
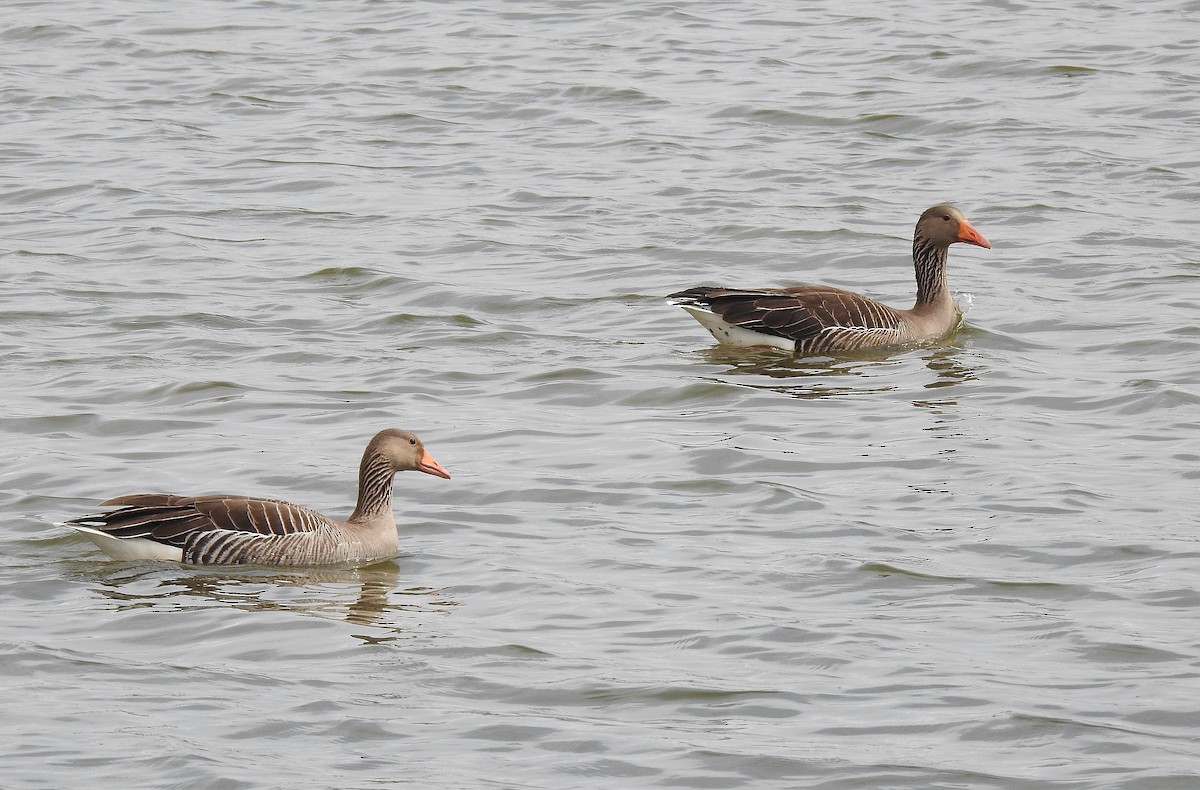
(374, 489)
(929, 261)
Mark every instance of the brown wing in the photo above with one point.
(815, 317)
(176, 520)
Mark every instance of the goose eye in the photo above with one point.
(413, 442)
(946, 217)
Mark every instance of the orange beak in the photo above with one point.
(968, 234)
(432, 467)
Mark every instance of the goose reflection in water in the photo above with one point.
(853, 373)
(361, 596)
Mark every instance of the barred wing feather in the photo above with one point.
(171, 519)
(816, 318)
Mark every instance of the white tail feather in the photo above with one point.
(730, 335)
(130, 548)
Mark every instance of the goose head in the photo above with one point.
(404, 451)
(942, 226)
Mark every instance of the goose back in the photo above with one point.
(808, 319)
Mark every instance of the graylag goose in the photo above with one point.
(814, 319)
(237, 530)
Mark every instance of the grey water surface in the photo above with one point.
(238, 238)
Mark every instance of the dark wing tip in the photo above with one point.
(697, 295)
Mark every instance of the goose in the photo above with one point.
(813, 319)
(220, 529)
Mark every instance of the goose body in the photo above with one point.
(220, 529)
(817, 319)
